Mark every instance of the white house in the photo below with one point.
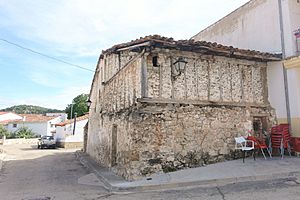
(69, 134)
(39, 124)
(268, 26)
(7, 116)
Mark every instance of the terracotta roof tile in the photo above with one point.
(84, 117)
(196, 46)
(32, 118)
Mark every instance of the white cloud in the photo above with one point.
(85, 26)
(76, 29)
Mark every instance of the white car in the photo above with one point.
(46, 142)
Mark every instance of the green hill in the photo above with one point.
(30, 109)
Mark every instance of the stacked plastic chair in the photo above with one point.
(280, 138)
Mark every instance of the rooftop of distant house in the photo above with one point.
(2, 113)
(70, 121)
(27, 118)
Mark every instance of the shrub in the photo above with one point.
(3, 132)
(24, 132)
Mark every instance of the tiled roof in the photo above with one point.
(32, 118)
(84, 117)
(4, 122)
(2, 113)
(195, 46)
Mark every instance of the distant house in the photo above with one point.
(8, 116)
(39, 124)
(64, 132)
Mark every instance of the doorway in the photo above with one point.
(114, 144)
(260, 127)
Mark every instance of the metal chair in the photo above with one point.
(260, 145)
(244, 145)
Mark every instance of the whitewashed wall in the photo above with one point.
(39, 128)
(256, 26)
(253, 26)
(51, 124)
(65, 133)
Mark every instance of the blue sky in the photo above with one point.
(76, 31)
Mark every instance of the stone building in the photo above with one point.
(163, 105)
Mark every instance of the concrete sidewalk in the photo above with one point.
(211, 175)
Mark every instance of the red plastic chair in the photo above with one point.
(280, 138)
(260, 145)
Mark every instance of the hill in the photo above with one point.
(30, 109)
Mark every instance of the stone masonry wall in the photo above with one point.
(210, 78)
(163, 138)
(144, 120)
(111, 95)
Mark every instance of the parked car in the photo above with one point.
(46, 142)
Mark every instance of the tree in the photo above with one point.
(30, 109)
(3, 132)
(79, 106)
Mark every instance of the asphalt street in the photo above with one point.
(55, 174)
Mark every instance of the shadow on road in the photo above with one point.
(33, 172)
(34, 147)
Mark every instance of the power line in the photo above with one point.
(50, 57)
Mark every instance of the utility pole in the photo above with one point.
(286, 88)
(75, 115)
(71, 116)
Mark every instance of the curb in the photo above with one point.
(87, 162)
(90, 164)
(207, 183)
(2, 156)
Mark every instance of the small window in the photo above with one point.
(155, 61)
(297, 36)
(15, 125)
(298, 44)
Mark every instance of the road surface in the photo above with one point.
(55, 174)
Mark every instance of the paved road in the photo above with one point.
(272, 190)
(32, 174)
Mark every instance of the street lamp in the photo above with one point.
(88, 103)
(179, 66)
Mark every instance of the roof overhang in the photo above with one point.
(292, 62)
(203, 47)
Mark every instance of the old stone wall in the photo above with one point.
(147, 118)
(111, 93)
(166, 137)
(207, 78)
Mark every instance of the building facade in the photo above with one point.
(163, 105)
(41, 125)
(269, 26)
(69, 134)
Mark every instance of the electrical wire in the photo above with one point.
(47, 56)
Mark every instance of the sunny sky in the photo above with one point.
(76, 31)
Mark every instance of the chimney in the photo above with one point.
(24, 118)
